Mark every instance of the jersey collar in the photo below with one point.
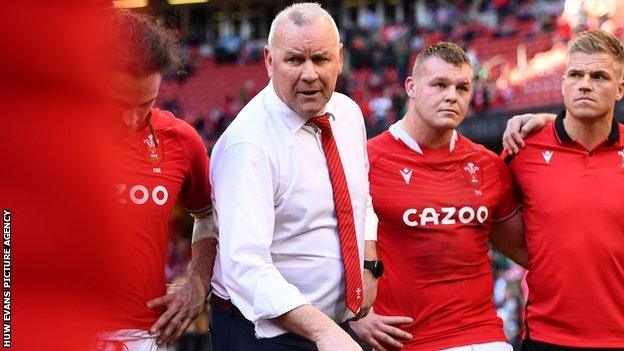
(564, 137)
(397, 131)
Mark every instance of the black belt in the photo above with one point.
(225, 305)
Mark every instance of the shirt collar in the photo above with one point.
(397, 131)
(292, 119)
(564, 137)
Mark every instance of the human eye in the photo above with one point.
(293, 59)
(600, 76)
(320, 59)
(574, 74)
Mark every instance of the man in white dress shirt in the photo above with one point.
(279, 278)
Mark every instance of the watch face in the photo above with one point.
(379, 269)
(376, 268)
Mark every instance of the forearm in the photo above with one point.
(203, 254)
(370, 250)
(308, 322)
(518, 253)
(508, 238)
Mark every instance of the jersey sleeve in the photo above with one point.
(195, 193)
(508, 205)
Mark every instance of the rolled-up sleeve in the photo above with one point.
(243, 181)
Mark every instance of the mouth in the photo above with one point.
(448, 110)
(584, 98)
(309, 92)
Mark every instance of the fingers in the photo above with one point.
(160, 301)
(393, 320)
(172, 326)
(385, 339)
(395, 332)
(530, 126)
(163, 320)
(181, 329)
(376, 345)
(512, 138)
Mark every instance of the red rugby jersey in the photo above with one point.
(436, 211)
(573, 208)
(154, 176)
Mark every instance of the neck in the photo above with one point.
(424, 134)
(589, 132)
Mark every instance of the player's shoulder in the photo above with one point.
(544, 138)
(547, 134)
(479, 151)
(468, 146)
(165, 122)
(380, 140)
(380, 145)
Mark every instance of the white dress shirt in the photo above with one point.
(274, 210)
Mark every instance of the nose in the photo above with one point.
(309, 73)
(585, 83)
(451, 94)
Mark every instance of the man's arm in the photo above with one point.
(521, 126)
(244, 205)
(508, 237)
(314, 325)
(369, 282)
(380, 331)
(185, 298)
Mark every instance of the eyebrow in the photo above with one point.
(599, 71)
(316, 53)
(448, 80)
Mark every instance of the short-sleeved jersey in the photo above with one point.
(573, 209)
(157, 169)
(436, 209)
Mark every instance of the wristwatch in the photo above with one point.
(376, 267)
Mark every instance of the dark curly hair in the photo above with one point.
(141, 44)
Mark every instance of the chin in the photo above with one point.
(587, 113)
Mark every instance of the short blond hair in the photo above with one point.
(597, 41)
(444, 50)
(301, 14)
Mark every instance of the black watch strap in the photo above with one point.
(376, 267)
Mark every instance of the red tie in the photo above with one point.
(344, 215)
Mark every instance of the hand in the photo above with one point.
(519, 127)
(370, 293)
(336, 339)
(379, 330)
(184, 300)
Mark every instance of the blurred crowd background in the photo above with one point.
(517, 48)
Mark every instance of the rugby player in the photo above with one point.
(440, 198)
(162, 161)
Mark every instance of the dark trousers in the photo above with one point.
(533, 345)
(232, 332)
